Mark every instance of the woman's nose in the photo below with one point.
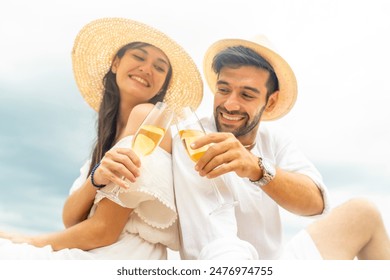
(145, 68)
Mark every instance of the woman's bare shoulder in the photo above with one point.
(136, 117)
(140, 111)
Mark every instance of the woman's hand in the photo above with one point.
(15, 237)
(116, 165)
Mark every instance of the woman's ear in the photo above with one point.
(273, 99)
(115, 64)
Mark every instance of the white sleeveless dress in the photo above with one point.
(151, 227)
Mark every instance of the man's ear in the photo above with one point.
(273, 99)
(114, 65)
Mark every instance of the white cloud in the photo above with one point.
(339, 53)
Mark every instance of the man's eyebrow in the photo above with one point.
(220, 82)
(255, 90)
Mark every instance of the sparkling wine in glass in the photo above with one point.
(190, 129)
(146, 139)
(188, 136)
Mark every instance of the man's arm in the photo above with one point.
(294, 192)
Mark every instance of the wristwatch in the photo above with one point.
(268, 172)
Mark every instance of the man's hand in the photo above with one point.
(226, 154)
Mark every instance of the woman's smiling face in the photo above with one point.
(141, 73)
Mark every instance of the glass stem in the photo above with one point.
(115, 191)
(220, 198)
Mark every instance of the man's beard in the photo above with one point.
(242, 130)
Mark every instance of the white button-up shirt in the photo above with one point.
(250, 230)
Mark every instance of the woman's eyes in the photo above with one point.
(156, 66)
(159, 68)
(140, 58)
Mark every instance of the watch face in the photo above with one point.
(268, 172)
(269, 168)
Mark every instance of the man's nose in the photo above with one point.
(232, 103)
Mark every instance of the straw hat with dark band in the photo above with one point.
(286, 78)
(97, 43)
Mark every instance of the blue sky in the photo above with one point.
(339, 53)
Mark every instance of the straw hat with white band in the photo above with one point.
(286, 78)
(97, 43)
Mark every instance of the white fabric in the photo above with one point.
(153, 204)
(256, 220)
(146, 235)
(236, 250)
(301, 247)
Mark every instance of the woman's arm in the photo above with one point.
(116, 164)
(78, 204)
(102, 229)
(113, 167)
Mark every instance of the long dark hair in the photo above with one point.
(109, 107)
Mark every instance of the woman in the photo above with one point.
(137, 65)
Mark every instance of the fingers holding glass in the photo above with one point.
(191, 129)
(118, 163)
(148, 136)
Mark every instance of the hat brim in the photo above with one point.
(97, 43)
(286, 77)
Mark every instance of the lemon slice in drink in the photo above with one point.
(148, 137)
(143, 145)
(189, 136)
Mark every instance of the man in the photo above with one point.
(254, 165)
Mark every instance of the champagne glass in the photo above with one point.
(146, 139)
(189, 129)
